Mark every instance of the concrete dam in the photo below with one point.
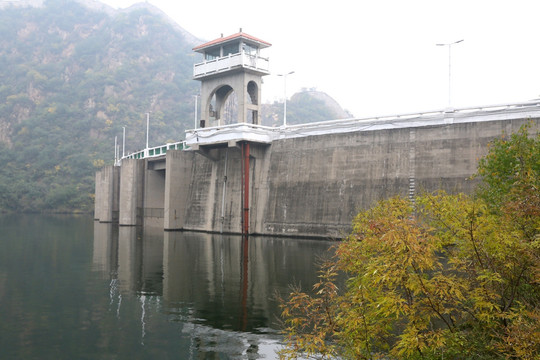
(232, 175)
(304, 180)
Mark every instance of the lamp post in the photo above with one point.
(195, 119)
(124, 142)
(285, 98)
(147, 127)
(450, 69)
(116, 151)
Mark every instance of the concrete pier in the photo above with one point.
(131, 192)
(107, 194)
(178, 179)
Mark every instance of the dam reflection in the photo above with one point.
(211, 283)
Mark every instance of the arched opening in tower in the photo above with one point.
(223, 106)
(230, 109)
(253, 98)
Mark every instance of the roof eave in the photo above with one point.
(222, 40)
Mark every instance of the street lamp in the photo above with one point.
(450, 69)
(196, 109)
(116, 151)
(124, 143)
(147, 127)
(285, 98)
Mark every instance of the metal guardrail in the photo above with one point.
(235, 129)
(464, 111)
(156, 151)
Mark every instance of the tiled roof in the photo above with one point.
(240, 35)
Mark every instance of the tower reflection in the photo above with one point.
(219, 288)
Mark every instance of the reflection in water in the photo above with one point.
(220, 288)
(71, 288)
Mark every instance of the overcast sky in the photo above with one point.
(380, 57)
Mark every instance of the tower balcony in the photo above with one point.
(239, 60)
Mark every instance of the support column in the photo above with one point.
(178, 175)
(131, 192)
(245, 187)
(106, 194)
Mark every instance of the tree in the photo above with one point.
(451, 277)
(510, 173)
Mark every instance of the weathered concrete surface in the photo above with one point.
(206, 193)
(178, 178)
(106, 202)
(318, 184)
(131, 192)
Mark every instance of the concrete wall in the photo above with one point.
(316, 185)
(178, 176)
(131, 192)
(204, 192)
(106, 202)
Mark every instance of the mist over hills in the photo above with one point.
(73, 74)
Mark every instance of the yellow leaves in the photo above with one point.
(111, 108)
(23, 131)
(98, 163)
(442, 280)
(36, 76)
(522, 336)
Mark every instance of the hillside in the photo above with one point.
(305, 106)
(72, 75)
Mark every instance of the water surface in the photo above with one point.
(72, 288)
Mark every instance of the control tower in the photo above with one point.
(231, 77)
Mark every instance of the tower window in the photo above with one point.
(231, 49)
(249, 50)
(211, 54)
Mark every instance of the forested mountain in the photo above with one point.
(72, 75)
(305, 106)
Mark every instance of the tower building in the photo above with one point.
(231, 77)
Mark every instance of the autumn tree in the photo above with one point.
(450, 277)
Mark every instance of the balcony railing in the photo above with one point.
(231, 61)
(154, 152)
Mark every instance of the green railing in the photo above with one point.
(157, 151)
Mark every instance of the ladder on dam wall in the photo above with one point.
(412, 165)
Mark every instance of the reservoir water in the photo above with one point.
(72, 288)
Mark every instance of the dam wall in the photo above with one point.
(303, 186)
